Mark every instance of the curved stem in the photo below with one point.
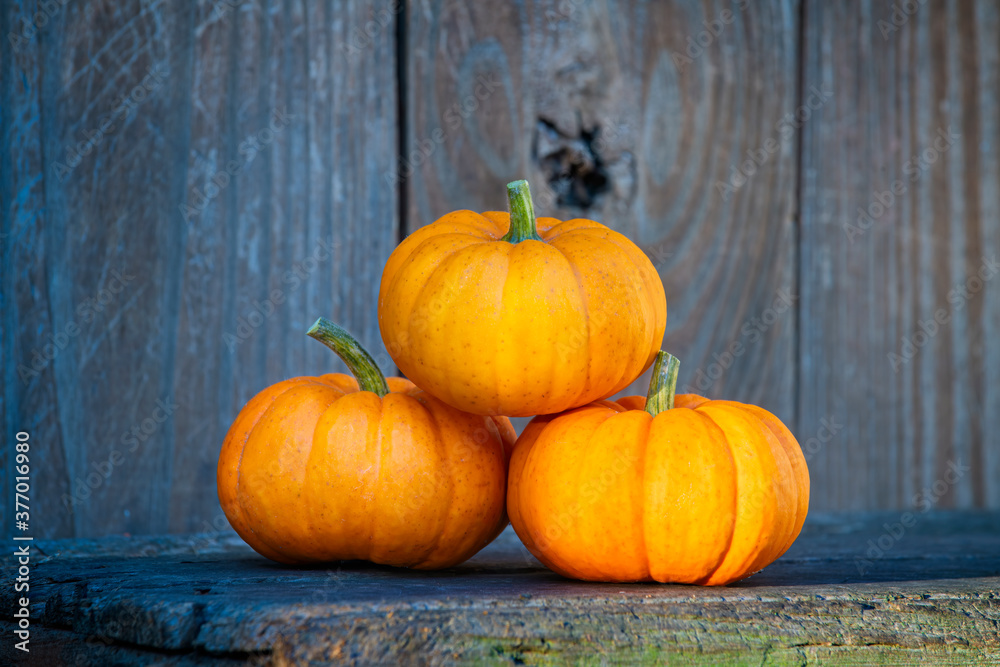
(360, 363)
(522, 214)
(663, 384)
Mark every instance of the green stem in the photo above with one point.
(361, 364)
(663, 384)
(522, 214)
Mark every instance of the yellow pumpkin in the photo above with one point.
(500, 314)
(693, 491)
(319, 469)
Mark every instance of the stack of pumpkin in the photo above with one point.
(497, 315)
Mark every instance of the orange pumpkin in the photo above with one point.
(693, 491)
(498, 313)
(320, 469)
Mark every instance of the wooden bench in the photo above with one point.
(854, 589)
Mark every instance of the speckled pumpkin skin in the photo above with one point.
(708, 492)
(536, 327)
(314, 470)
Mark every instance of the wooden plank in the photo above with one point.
(361, 206)
(201, 271)
(298, 231)
(30, 400)
(932, 594)
(609, 115)
(915, 104)
(305, 227)
(301, 231)
(96, 261)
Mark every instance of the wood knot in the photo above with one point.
(572, 166)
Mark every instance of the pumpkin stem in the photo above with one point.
(663, 384)
(360, 363)
(522, 214)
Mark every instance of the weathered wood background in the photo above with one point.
(266, 156)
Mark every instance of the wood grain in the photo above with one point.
(915, 103)
(26, 277)
(601, 107)
(105, 121)
(931, 598)
(231, 267)
(143, 274)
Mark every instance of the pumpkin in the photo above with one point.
(336, 467)
(498, 313)
(671, 489)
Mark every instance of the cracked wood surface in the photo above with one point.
(929, 593)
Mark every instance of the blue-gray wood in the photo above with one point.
(186, 187)
(858, 589)
(189, 186)
(736, 142)
(636, 115)
(900, 239)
